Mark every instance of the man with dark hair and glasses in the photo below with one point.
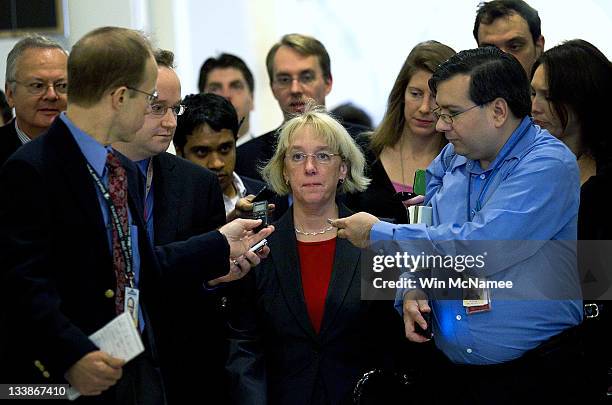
(182, 199)
(500, 178)
(36, 87)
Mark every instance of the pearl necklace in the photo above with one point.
(321, 232)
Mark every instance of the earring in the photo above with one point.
(286, 181)
(340, 182)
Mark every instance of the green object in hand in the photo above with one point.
(418, 187)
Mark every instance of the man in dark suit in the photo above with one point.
(300, 72)
(71, 247)
(36, 87)
(183, 200)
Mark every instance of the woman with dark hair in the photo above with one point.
(406, 140)
(571, 85)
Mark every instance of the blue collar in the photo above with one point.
(94, 152)
(516, 145)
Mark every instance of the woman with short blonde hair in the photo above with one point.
(302, 334)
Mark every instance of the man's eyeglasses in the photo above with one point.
(151, 97)
(38, 88)
(448, 118)
(305, 79)
(322, 157)
(161, 109)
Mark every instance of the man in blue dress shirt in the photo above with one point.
(499, 178)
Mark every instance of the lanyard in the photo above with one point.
(485, 187)
(125, 241)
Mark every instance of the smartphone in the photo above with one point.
(426, 333)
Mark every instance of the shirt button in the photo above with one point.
(473, 212)
(109, 293)
(483, 176)
(458, 317)
(469, 350)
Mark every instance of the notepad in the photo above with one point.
(119, 338)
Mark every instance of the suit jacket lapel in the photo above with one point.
(166, 196)
(287, 267)
(346, 262)
(78, 179)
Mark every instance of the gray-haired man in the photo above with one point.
(36, 87)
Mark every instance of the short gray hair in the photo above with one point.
(336, 137)
(32, 41)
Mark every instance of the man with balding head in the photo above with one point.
(73, 242)
(36, 87)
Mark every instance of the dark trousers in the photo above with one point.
(551, 373)
(597, 337)
(141, 383)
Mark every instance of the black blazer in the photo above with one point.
(188, 202)
(276, 357)
(378, 198)
(254, 154)
(188, 199)
(57, 264)
(9, 141)
(252, 186)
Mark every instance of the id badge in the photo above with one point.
(476, 299)
(130, 303)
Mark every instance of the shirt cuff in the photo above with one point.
(382, 231)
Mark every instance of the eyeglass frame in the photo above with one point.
(43, 90)
(313, 155)
(448, 118)
(181, 110)
(291, 78)
(151, 97)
